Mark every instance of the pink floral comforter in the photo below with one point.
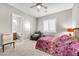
(59, 46)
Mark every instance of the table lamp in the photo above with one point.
(70, 30)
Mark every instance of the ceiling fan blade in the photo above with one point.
(39, 4)
(43, 6)
(33, 6)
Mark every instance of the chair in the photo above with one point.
(36, 36)
(7, 38)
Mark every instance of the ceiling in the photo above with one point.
(52, 8)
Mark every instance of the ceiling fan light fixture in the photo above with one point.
(38, 6)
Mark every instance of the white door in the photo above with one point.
(17, 25)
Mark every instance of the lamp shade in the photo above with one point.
(70, 30)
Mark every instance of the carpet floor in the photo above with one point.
(23, 48)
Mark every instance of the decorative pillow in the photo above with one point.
(35, 35)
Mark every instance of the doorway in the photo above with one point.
(17, 25)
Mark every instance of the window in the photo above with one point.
(49, 25)
(45, 26)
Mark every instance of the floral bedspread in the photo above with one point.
(59, 45)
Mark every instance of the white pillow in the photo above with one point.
(62, 33)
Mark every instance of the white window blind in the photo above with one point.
(49, 25)
(45, 26)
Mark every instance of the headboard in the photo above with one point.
(76, 33)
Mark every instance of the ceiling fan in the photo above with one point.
(39, 6)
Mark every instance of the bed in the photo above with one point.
(63, 45)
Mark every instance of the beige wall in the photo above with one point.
(5, 19)
(75, 15)
(63, 20)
